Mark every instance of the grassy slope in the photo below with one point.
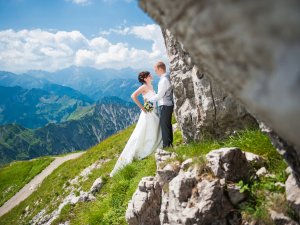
(81, 112)
(111, 203)
(15, 175)
(51, 190)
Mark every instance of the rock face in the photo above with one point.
(293, 193)
(196, 203)
(289, 152)
(145, 206)
(229, 163)
(251, 48)
(280, 219)
(190, 194)
(202, 108)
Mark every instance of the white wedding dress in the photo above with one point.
(145, 138)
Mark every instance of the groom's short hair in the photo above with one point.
(161, 65)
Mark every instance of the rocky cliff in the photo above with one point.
(252, 49)
(202, 107)
(202, 192)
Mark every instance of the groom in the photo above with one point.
(164, 97)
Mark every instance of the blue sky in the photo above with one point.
(55, 34)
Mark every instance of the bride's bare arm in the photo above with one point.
(135, 94)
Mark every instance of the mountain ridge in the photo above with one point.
(101, 121)
(89, 81)
(35, 107)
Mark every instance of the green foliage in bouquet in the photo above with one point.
(148, 106)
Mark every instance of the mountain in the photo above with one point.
(123, 88)
(95, 83)
(98, 122)
(26, 81)
(15, 141)
(89, 81)
(36, 107)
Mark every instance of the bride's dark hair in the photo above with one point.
(142, 76)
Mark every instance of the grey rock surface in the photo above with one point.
(229, 163)
(293, 193)
(96, 185)
(281, 219)
(254, 160)
(234, 194)
(206, 204)
(144, 208)
(261, 172)
(166, 170)
(190, 196)
(250, 48)
(202, 107)
(289, 152)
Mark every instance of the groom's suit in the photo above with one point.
(164, 97)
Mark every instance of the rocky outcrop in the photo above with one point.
(280, 219)
(250, 48)
(289, 152)
(293, 194)
(192, 193)
(144, 208)
(202, 107)
(192, 202)
(225, 162)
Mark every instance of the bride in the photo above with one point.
(146, 136)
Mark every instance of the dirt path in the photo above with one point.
(29, 188)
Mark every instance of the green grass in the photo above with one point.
(248, 140)
(263, 192)
(16, 174)
(111, 203)
(51, 190)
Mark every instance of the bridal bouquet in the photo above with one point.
(148, 106)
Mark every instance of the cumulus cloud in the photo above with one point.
(150, 32)
(52, 50)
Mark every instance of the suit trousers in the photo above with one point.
(165, 120)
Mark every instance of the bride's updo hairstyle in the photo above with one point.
(142, 76)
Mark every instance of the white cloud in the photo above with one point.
(153, 33)
(150, 32)
(52, 50)
(80, 2)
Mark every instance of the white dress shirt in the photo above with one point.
(163, 86)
